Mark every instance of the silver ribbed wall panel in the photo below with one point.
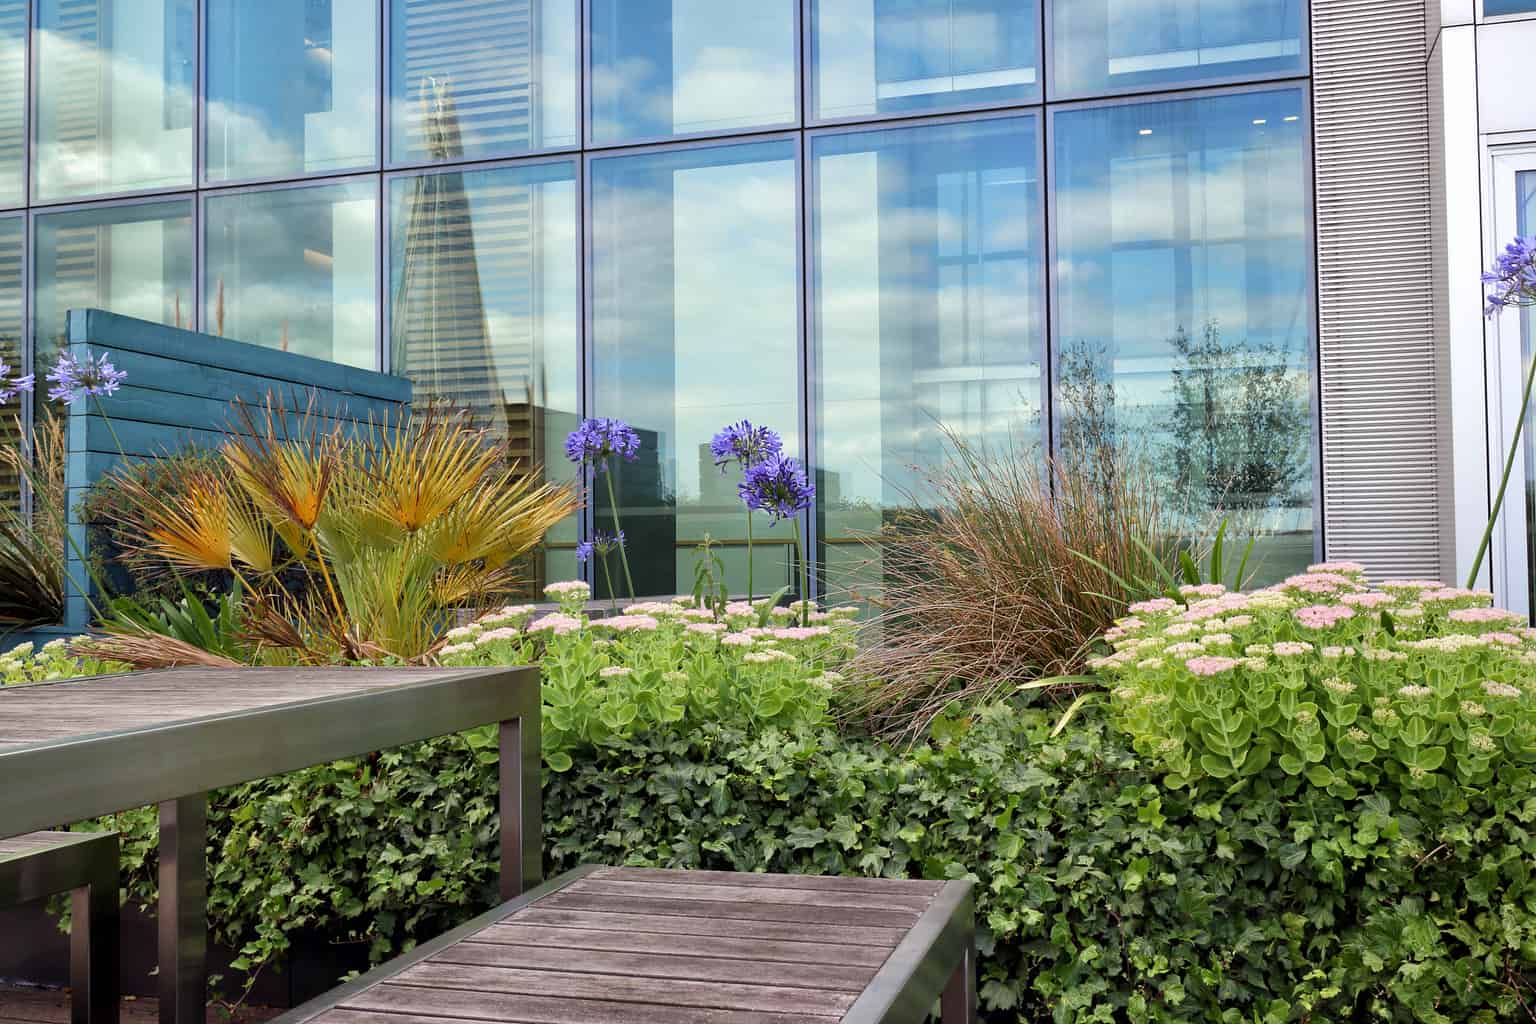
(1378, 363)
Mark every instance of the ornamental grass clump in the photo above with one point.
(1342, 685)
(1003, 571)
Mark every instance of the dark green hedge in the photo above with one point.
(1103, 895)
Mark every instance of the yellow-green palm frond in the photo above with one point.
(251, 537)
(472, 585)
(390, 598)
(423, 465)
(189, 530)
(502, 519)
(283, 463)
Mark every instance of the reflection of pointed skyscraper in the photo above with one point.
(442, 342)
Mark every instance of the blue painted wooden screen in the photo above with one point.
(179, 388)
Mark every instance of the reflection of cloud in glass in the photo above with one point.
(291, 88)
(712, 66)
(296, 270)
(705, 331)
(108, 118)
(1183, 261)
(928, 247)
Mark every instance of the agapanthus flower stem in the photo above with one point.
(111, 429)
(805, 577)
(751, 591)
(608, 581)
(1509, 465)
(613, 505)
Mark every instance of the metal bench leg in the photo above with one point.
(522, 839)
(958, 1004)
(183, 903)
(93, 942)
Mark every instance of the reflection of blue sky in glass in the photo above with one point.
(13, 100)
(135, 260)
(694, 325)
(674, 67)
(294, 269)
(894, 56)
(1110, 45)
(292, 87)
(507, 70)
(1189, 217)
(928, 249)
(485, 303)
(1493, 8)
(118, 116)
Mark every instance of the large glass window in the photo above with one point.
(1101, 46)
(292, 87)
(675, 67)
(13, 101)
(295, 269)
(695, 325)
(1184, 327)
(903, 56)
(12, 256)
(134, 259)
(486, 309)
(483, 78)
(1494, 8)
(116, 96)
(929, 248)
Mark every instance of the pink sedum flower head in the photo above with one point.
(1156, 606)
(1322, 616)
(1483, 616)
(555, 623)
(1211, 665)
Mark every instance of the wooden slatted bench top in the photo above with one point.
(40, 842)
(611, 945)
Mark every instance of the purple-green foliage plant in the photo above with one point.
(1351, 688)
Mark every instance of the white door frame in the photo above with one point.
(1508, 552)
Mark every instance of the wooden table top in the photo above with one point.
(100, 744)
(648, 946)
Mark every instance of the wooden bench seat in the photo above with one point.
(85, 864)
(642, 946)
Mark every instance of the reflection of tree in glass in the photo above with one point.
(1085, 400)
(1240, 423)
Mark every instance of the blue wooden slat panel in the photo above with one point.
(113, 333)
(179, 388)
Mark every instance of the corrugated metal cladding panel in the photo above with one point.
(1378, 368)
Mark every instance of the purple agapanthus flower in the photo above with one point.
(10, 386)
(744, 444)
(602, 544)
(74, 379)
(1513, 276)
(595, 440)
(777, 486)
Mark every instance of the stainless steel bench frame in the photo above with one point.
(936, 961)
(84, 864)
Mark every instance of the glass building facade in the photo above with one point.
(860, 222)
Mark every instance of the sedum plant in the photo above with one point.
(387, 531)
(670, 664)
(1350, 687)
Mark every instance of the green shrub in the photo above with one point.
(1103, 896)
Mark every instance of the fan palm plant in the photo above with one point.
(32, 550)
(391, 528)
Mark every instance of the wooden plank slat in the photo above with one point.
(719, 995)
(543, 916)
(760, 950)
(566, 900)
(750, 880)
(659, 965)
(916, 902)
(531, 1009)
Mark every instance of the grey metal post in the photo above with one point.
(93, 942)
(958, 1003)
(522, 839)
(183, 899)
